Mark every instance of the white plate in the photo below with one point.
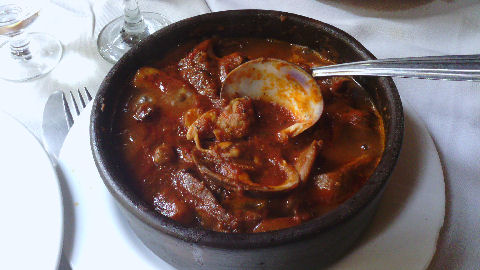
(30, 201)
(402, 235)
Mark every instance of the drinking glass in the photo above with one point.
(118, 36)
(26, 55)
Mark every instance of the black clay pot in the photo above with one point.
(310, 245)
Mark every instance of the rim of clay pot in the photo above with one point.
(111, 171)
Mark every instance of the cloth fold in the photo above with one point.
(107, 10)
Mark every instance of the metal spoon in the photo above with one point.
(288, 85)
(447, 67)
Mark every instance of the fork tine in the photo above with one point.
(81, 98)
(84, 99)
(67, 111)
(89, 97)
(75, 103)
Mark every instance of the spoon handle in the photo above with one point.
(448, 67)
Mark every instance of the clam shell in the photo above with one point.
(279, 82)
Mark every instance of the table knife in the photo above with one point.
(55, 123)
(55, 126)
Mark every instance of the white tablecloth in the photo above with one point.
(451, 110)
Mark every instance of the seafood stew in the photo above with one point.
(222, 163)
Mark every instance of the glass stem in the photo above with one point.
(133, 27)
(19, 46)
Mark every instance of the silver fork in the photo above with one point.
(83, 99)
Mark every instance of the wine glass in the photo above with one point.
(26, 55)
(118, 36)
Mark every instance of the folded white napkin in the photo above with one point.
(451, 110)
